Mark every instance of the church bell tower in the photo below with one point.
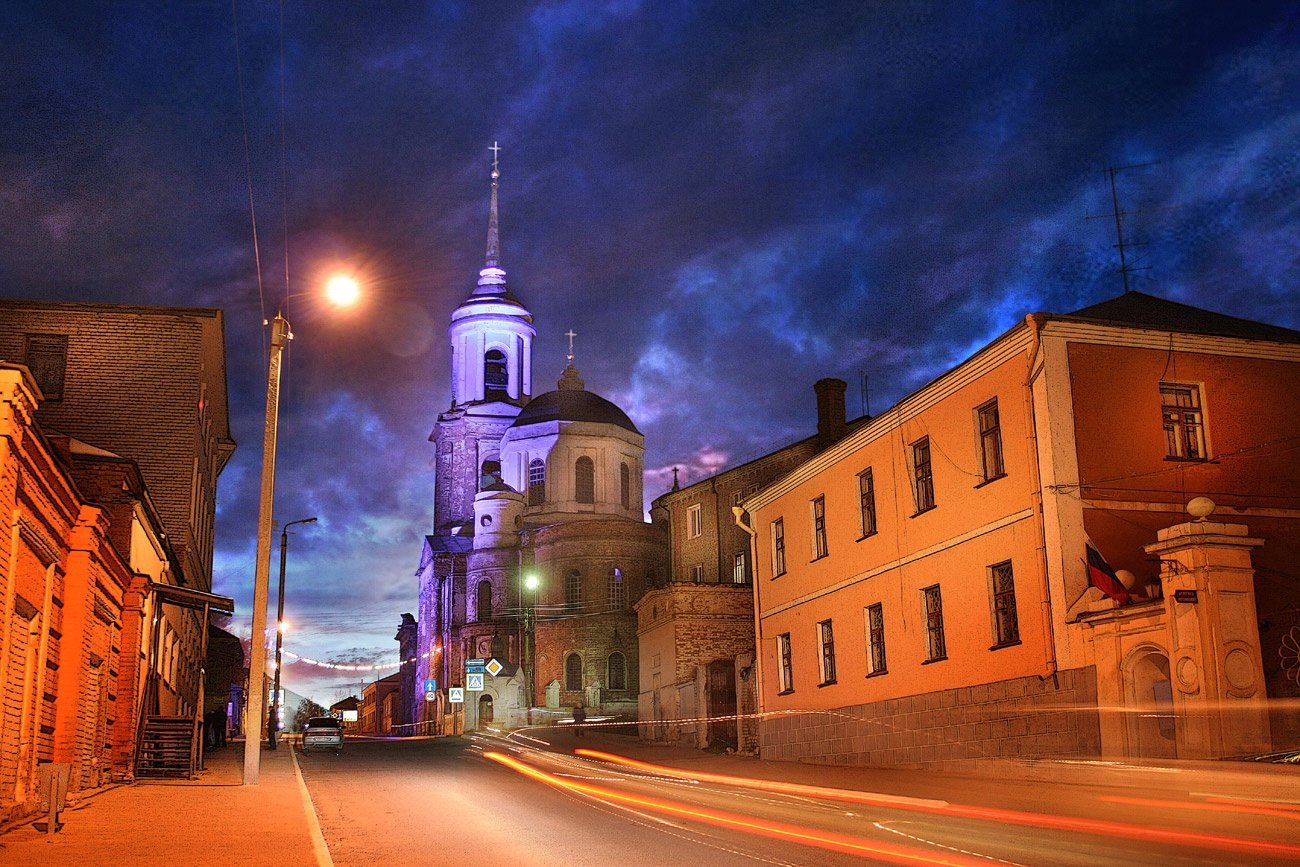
(491, 338)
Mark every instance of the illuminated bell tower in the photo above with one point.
(491, 337)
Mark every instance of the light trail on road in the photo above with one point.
(841, 843)
(991, 814)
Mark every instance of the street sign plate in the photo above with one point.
(476, 661)
(493, 667)
(474, 682)
(456, 695)
(1188, 596)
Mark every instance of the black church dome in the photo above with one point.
(573, 405)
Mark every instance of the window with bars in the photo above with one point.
(536, 482)
(867, 501)
(617, 590)
(922, 475)
(1184, 421)
(876, 639)
(573, 672)
(826, 640)
(818, 507)
(625, 485)
(694, 521)
(991, 441)
(573, 590)
(616, 671)
(739, 573)
(584, 480)
(935, 647)
(1006, 625)
(785, 664)
(778, 547)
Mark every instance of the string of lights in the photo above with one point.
(345, 666)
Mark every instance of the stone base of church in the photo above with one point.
(1023, 717)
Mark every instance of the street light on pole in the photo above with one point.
(531, 583)
(273, 721)
(280, 337)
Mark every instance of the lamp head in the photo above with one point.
(531, 582)
(343, 290)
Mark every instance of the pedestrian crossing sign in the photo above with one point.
(456, 695)
(474, 682)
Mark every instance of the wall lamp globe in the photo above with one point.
(531, 582)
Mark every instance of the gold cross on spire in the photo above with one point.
(570, 334)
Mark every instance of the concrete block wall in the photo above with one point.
(1023, 717)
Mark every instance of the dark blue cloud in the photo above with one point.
(727, 201)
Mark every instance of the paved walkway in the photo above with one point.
(210, 821)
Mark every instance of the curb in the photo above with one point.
(319, 848)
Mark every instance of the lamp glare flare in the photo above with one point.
(343, 290)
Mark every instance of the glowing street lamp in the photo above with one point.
(273, 722)
(280, 336)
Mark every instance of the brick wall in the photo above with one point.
(1021, 718)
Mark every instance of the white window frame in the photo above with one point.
(694, 522)
(784, 663)
(817, 521)
(778, 548)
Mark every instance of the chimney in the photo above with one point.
(830, 410)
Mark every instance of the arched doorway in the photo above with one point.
(484, 710)
(1152, 725)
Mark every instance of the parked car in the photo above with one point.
(322, 733)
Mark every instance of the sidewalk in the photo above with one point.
(210, 821)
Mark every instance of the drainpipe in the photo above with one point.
(738, 513)
(1036, 497)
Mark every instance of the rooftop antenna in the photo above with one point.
(866, 393)
(1118, 214)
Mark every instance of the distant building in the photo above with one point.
(348, 711)
(548, 486)
(378, 709)
(923, 587)
(696, 632)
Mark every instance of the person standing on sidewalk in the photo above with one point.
(579, 717)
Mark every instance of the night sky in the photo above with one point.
(726, 201)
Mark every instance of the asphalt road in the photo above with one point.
(487, 801)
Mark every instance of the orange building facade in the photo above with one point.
(921, 588)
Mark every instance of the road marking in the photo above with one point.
(322, 852)
(885, 827)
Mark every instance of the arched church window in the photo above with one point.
(573, 672)
(495, 375)
(484, 606)
(584, 480)
(625, 485)
(536, 482)
(617, 676)
(573, 589)
(617, 591)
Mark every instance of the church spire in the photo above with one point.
(493, 277)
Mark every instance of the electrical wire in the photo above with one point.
(248, 170)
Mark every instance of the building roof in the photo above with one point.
(572, 402)
(1148, 311)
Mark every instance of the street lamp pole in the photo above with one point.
(343, 291)
(280, 336)
(273, 722)
(530, 584)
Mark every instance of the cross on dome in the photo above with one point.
(570, 334)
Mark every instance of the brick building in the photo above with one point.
(924, 593)
(548, 486)
(133, 399)
(696, 632)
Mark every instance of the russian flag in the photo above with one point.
(1103, 577)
